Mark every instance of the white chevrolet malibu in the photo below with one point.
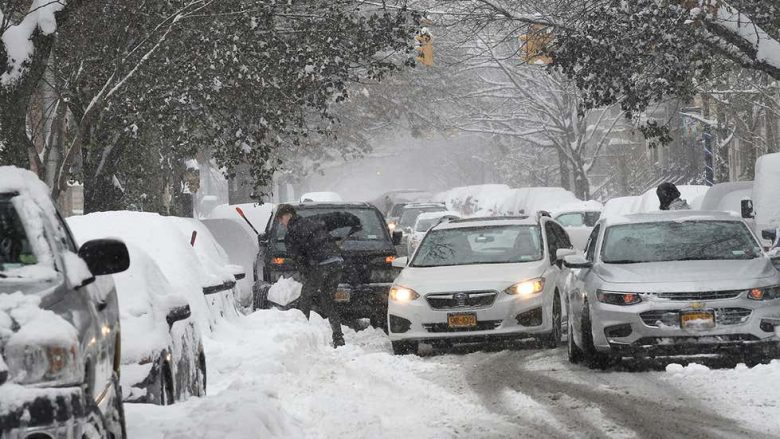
(478, 280)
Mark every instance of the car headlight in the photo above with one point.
(402, 294)
(618, 298)
(767, 293)
(51, 365)
(526, 288)
(391, 225)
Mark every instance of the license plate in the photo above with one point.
(462, 320)
(697, 320)
(341, 296)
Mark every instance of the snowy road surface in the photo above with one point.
(272, 374)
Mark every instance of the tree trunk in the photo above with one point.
(564, 167)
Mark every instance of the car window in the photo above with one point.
(15, 248)
(678, 241)
(590, 247)
(552, 240)
(479, 245)
(575, 219)
(409, 216)
(563, 237)
(373, 225)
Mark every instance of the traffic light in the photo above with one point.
(425, 48)
(535, 43)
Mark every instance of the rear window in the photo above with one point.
(578, 219)
(372, 222)
(410, 215)
(15, 248)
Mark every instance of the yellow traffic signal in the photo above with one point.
(425, 49)
(535, 43)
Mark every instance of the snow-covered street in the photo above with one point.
(273, 374)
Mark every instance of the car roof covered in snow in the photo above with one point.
(332, 205)
(670, 215)
(488, 221)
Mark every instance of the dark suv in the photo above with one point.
(59, 327)
(368, 257)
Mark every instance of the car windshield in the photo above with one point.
(15, 249)
(479, 245)
(395, 212)
(373, 225)
(410, 214)
(424, 224)
(578, 219)
(678, 241)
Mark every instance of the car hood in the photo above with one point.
(468, 277)
(690, 275)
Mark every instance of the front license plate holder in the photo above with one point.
(462, 320)
(342, 296)
(699, 320)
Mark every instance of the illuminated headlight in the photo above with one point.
(391, 225)
(51, 365)
(767, 293)
(402, 294)
(526, 288)
(618, 298)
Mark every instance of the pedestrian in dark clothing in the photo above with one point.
(669, 196)
(318, 259)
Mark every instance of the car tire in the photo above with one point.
(261, 297)
(405, 347)
(593, 358)
(573, 351)
(553, 339)
(117, 428)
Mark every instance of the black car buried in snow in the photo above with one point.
(368, 256)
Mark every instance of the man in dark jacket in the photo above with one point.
(669, 197)
(318, 258)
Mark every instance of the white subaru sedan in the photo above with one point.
(481, 279)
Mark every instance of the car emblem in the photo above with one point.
(697, 305)
(460, 298)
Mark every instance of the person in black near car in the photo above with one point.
(317, 257)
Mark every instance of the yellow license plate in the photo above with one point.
(697, 320)
(462, 320)
(341, 296)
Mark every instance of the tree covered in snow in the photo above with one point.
(147, 86)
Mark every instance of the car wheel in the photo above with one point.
(593, 358)
(261, 297)
(574, 352)
(553, 339)
(405, 347)
(117, 427)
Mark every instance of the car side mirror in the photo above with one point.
(397, 237)
(262, 239)
(747, 209)
(105, 256)
(178, 313)
(577, 261)
(401, 262)
(769, 234)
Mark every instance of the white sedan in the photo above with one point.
(477, 279)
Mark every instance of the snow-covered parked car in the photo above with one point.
(424, 222)
(162, 353)
(59, 328)
(672, 283)
(578, 220)
(481, 279)
(321, 197)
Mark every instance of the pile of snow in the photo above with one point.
(477, 200)
(501, 200)
(321, 197)
(284, 291)
(163, 241)
(577, 206)
(258, 214)
(648, 202)
(274, 374)
(765, 191)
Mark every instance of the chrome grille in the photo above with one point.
(671, 318)
(462, 299)
(702, 295)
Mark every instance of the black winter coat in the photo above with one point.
(309, 241)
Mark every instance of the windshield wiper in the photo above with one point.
(624, 261)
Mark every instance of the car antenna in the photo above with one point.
(241, 212)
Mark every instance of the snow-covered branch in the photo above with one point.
(18, 38)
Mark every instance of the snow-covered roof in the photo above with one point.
(321, 197)
(24, 182)
(671, 215)
(578, 206)
(435, 215)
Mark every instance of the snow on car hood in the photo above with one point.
(691, 275)
(468, 277)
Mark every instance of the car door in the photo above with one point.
(576, 290)
(552, 274)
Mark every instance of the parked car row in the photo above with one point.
(101, 309)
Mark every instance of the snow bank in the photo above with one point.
(765, 191)
(474, 200)
(578, 206)
(727, 196)
(284, 291)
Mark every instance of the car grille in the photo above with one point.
(703, 295)
(484, 325)
(465, 299)
(671, 318)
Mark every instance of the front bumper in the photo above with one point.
(52, 412)
(741, 324)
(502, 319)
